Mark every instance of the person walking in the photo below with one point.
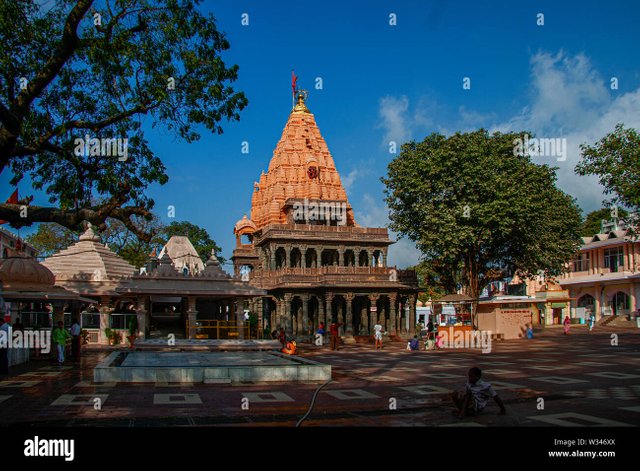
(75, 339)
(377, 335)
(566, 323)
(335, 334)
(592, 321)
(59, 337)
(5, 331)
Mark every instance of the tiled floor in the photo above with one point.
(582, 379)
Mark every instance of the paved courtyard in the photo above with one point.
(581, 379)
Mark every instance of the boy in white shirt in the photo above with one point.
(476, 395)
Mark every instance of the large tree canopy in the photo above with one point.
(468, 201)
(72, 69)
(615, 159)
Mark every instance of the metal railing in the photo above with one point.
(216, 329)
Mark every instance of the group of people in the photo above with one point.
(59, 336)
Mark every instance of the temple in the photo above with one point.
(303, 245)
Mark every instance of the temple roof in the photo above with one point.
(182, 254)
(88, 266)
(23, 278)
(301, 167)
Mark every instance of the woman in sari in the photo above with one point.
(566, 323)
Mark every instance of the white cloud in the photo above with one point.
(570, 99)
(394, 120)
(347, 181)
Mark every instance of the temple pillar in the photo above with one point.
(392, 313)
(239, 315)
(412, 314)
(105, 310)
(192, 314)
(287, 318)
(374, 314)
(349, 317)
(305, 315)
(142, 314)
(321, 316)
(329, 313)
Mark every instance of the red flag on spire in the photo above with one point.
(13, 199)
(294, 82)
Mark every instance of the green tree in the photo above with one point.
(592, 222)
(475, 208)
(51, 238)
(615, 159)
(74, 68)
(198, 236)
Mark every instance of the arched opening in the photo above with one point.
(311, 258)
(586, 301)
(329, 257)
(349, 258)
(281, 258)
(620, 304)
(246, 239)
(363, 259)
(245, 272)
(296, 258)
(377, 258)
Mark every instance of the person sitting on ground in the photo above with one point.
(414, 344)
(529, 331)
(475, 396)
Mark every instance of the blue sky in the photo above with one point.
(402, 82)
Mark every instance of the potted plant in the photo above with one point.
(116, 336)
(109, 333)
(133, 331)
(84, 336)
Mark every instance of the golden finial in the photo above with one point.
(300, 106)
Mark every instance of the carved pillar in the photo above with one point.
(375, 315)
(239, 315)
(305, 314)
(341, 318)
(105, 311)
(286, 319)
(340, 255)
(142, 314)
(191, 315)
(303, 254)
(411, 301)
(272, 259)
(392, 313)
(364, 321)
(349, 317)
(321, 316)
(329, 300)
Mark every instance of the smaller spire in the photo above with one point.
(89, 234)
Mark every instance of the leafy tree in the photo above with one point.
(198, 236)
(474, 207)
(592, 222)
(51, 238)
(615, 159)
(76, 68)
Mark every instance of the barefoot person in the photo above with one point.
(377, 335)
(475, 396)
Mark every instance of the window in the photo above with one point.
(614, 259)
(121, 321)
(90, 320)
(582, 262)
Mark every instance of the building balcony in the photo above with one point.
(333, 275)
(321, 233)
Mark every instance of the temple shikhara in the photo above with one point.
(303, 245)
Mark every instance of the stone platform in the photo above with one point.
(208, 367)
(207, 345)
